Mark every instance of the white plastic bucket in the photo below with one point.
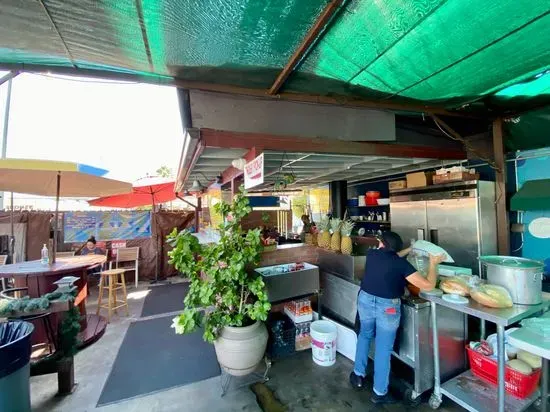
(323, 342)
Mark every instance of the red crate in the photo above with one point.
(516, 383)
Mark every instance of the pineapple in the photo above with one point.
(323, 240)
(347, 245)
(335, 241)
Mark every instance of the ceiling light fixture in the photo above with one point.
(239, 163)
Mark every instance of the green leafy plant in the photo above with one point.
(223, 290)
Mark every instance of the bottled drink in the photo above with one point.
(44, 255)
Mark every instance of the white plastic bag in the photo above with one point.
(425, 248)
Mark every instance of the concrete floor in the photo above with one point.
(296, 381)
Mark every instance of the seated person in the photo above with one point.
(91, 248)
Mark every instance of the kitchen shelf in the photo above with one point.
(367, 207)
(476, 395)
(382, 222)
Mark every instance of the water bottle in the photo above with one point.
(44, 256)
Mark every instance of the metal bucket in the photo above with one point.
(519, 276)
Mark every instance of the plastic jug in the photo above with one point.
(44, 255)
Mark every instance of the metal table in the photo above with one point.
(533, 343)
(466, 389)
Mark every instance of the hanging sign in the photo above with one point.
(254, 172)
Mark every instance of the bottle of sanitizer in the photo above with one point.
(44, 256)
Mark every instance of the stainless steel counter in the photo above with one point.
(348, 267)
(501, 317)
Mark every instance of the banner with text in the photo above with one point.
(254, 172)
(115, 225)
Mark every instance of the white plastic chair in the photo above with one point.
(128, 254)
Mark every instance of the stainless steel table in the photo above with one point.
(466, 389)
(533, 343)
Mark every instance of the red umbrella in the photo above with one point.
(147, 191)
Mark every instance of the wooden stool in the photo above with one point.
(111, 277)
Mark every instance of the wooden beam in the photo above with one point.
(335, 100)
(309, 40)
(503, 227)
(237, 140)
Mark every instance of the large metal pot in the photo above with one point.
(521, 277)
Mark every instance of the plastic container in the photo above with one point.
(282, 336)
(516, 383)
(323, 342)
(44, 255)
(371, 198)
(15, 354)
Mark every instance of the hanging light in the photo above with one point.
(196, 188)
(239, 164)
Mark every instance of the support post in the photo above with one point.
(5, 133)
(198, 212)
(503, 229)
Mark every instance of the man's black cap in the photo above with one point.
(391, 241)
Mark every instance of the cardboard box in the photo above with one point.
(454, 177)
(419, 179)
(398, 184)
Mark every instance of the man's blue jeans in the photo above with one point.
(379, 320)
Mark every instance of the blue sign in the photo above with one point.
(115, 225)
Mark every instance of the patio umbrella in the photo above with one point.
(55, 178)
(148, 191)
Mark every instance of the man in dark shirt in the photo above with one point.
(379, 308)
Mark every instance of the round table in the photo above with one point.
(40, 278)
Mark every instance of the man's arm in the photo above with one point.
(430, 281)
(404, 252)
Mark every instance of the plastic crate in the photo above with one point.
(516, 383)
(282, 335)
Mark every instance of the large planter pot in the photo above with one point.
(241, 349)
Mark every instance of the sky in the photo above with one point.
(129, 129)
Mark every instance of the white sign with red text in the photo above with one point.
(254, 172)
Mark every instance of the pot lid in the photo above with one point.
(512, 262)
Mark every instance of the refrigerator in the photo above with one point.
(459, 217)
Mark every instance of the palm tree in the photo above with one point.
(164, 171)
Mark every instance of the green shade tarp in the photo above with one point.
(533, 195)
(445, 52)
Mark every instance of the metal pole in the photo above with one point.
(5, 136)
(56, 224)
(437, 378)
(12, 238)
(501, 366)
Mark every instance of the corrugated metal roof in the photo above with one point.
(309, 169)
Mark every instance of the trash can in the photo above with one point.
(15, 354)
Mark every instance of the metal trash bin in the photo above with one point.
(15, 354)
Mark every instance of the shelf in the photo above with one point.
(367, 207)
(476, 395)
(382, 222)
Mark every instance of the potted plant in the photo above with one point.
(225, 297)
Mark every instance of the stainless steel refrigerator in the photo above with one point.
(459, 217)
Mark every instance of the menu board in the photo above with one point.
(114, 225)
